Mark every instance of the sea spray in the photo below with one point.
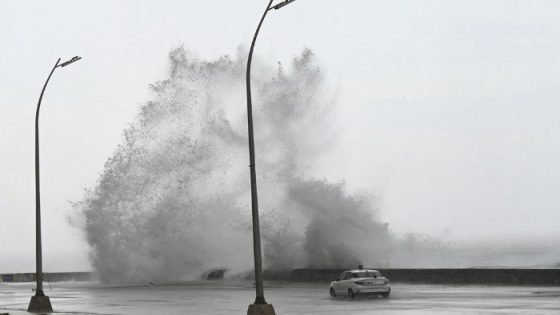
(173, 199)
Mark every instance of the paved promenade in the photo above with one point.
(233, 297)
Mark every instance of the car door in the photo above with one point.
(346, 282)
(339, 285)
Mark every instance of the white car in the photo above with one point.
(360, 282)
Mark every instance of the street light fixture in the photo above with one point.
(40, 303)
(260, 306)
(281, 4)
(74, 59)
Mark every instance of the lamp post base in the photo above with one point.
(40, 304)
(261, 309)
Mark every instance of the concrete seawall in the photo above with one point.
(47, 276)
(425, 276)
(435, 276)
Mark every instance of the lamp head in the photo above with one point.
(282, 4)
(74, 59)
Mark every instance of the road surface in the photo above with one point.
(233, 297)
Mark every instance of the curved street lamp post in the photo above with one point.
(260, 306)
(40, 303)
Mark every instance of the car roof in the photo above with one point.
(363, 270)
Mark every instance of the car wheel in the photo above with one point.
(351, 293)
(385, 295)
(332, 292)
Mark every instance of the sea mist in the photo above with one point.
(173, 199)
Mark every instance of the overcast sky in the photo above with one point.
(448, 110)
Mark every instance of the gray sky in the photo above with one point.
(447, 109)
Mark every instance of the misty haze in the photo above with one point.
(388, 135)
(170, 202)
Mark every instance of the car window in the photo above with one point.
(347, 276)
(341, 276)
(366, 274)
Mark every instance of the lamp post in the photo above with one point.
(260, 306)
(40, 303)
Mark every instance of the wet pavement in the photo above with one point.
(233, 297)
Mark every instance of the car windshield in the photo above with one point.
(366, 274)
